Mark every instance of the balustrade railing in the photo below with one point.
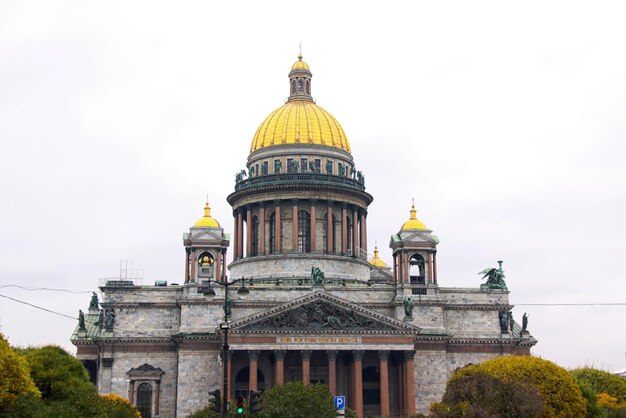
(299, 178)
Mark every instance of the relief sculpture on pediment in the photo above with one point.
(319, 316)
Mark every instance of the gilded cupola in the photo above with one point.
(207, 220)
(413, 223)
(376, 261)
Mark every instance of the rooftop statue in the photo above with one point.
(109, 319)
(81, 320)
(495, 278)
(525, 322)
(408, 309)
(317, 275)
(240, 176)
(93, 303)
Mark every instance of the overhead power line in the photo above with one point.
(38, 307)
(46, 288)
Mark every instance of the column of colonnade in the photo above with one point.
(405, 387)
(243, 227)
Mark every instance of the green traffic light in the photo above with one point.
(240, 410)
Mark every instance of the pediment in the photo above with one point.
(145, 371)
(206, 235)
(321, 312)
(418, 236)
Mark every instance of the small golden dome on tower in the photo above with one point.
(207, 220)
(300, 65)
(413, 222)
(376, 261)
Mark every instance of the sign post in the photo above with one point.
(340, 406)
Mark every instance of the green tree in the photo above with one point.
(57, 374)
(297, 400)
(15, 377)
(66, 391)
(601, 381)
(529, 378)
(605, 392)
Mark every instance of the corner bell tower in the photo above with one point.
(205, 250)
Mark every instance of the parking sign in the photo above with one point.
(340, 402)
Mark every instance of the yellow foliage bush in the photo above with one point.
(15, 377)
(606, 401)
(561, 393)
(119, 402)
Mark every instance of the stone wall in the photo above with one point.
(124, 361)
(199, 371)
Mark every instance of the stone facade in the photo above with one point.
(302, 298)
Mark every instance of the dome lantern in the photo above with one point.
(300, 81)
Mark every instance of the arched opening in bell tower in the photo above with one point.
(417, 271)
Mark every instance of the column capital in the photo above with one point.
(253, 354)
(277, 202)
(332, 354)
(357, 354)
(306, 354)
(383, 354)
(409, 355)
(280, 354)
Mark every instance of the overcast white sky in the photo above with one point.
(505, 121)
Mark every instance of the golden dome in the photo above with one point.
(413, 222)
(376, 261)
(300, 122)
(207, 220)
(300, 65)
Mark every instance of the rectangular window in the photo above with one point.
(304, 165)
(290, 165)
(264, 168)
(318, 165)
(256, 170)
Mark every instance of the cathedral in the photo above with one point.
(294, 294)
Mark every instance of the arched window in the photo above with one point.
(300, 86)
(293, 86)
(255, 236)
(417, 271)
(144, 400)
(308, 87)
(304, 231)
(272, 233)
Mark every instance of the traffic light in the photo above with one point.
(216, 400)
(239, 405)
(255, 401)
